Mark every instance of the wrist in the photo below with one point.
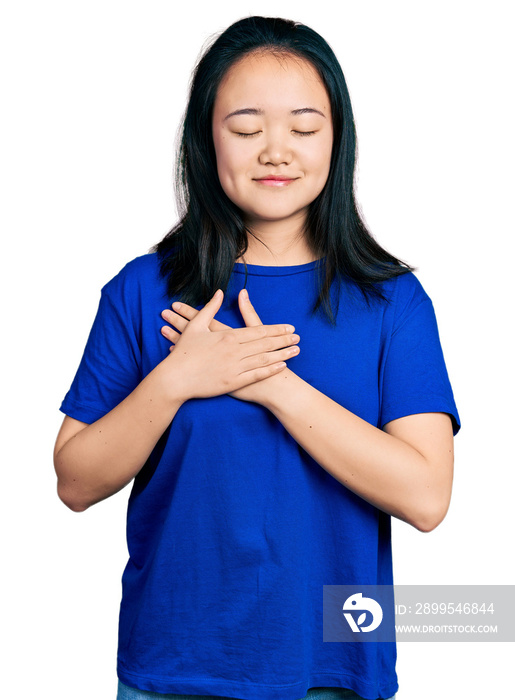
(278, 390)
(171, 382)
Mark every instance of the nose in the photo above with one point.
(275, 151)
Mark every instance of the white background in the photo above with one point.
(92, 95)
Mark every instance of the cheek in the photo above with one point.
(230, 164)
(229, 173)
(321, 159)
(226, 161)
(223, 168)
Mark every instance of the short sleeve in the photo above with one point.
(111, 364)
(415, 378)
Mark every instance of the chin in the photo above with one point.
(270, 214)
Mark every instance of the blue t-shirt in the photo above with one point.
(233, 529)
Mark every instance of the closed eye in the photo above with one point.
(244, 134)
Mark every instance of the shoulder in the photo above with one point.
(393, 297)
(404, 293)
(138, 274)
(404, 288)
(403, 298)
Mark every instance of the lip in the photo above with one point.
(275, 180)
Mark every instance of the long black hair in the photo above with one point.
(197, 256)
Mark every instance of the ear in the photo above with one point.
(247, 310)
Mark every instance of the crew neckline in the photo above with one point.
(276, 271)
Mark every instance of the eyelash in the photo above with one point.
(299, 133)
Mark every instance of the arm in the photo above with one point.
(95, 461)
(405, 470)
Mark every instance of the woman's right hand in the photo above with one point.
(214, 362)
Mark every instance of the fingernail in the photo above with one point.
(245, 294)
(176, 305)
(218, 294)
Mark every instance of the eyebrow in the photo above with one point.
(259, 112)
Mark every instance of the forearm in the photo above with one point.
(384, 470)
(101, 458)
(106, 455)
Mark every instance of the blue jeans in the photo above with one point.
(126, 693)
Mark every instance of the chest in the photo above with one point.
(342, 360)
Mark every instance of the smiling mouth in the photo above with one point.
(274, 181)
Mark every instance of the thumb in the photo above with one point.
(247, 310)
(207, 314)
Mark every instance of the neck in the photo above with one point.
(277, 244)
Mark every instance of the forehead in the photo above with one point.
(273, 80)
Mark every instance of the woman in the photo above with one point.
(256, 484)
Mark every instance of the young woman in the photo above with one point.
(257, 483)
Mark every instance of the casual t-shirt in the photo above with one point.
(233, 529)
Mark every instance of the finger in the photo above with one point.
(247, 310)
(208, 312)
(270, 344)
(174, 320)
(251, 333)
(189, 312)
(266, 359)
(170, 334)
(257, 375)
(184, 310)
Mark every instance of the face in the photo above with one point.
(273, 137)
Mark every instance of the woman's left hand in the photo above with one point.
(181, 314)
